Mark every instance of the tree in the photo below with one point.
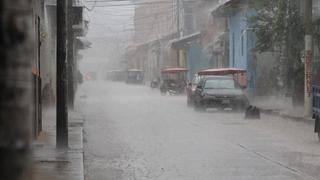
(279, 28)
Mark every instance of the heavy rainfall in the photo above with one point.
(160, 90)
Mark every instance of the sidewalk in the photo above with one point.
(281, 106)
(52, 164)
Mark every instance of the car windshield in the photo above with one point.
(219, 84)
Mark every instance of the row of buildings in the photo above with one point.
(28, 75)
(184, 33)
(44, 28)
(204, 34)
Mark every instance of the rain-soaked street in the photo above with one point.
(132, 132)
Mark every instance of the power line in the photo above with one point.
(162, 15)
(144, 25)
(132, 23)
(108, 0)
(134, 4)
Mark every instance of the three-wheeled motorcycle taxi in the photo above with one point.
(238, 74)
(135, 76)
(173, 80)
(116, 75)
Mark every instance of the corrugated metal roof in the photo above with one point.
(177, 42)
(219, 10)
(221, 3)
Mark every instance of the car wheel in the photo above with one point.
(199, 107)
(189, 103)
(163, 92)
(239, 107)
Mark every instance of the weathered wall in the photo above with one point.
(154, 20)
(16, 54)
(48, 59)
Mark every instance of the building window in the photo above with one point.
(233, 50)
(242, 45)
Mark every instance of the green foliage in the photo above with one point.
(277, 22)
(279, 28)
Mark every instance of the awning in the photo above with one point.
(184, 42)
(173, 70)
(227, 7)
(135, 70)
(222, 71)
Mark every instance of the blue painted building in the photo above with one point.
(242, 40)
(197, 60)
(242, 43)
(193, 57)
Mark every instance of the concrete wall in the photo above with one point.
(48, 60)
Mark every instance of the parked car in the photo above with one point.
(219, 92)
(239, 76)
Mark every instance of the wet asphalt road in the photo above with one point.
(134, 133)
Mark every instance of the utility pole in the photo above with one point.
(70, 55)
(178, 18)
(16, 54)
(308, 61)
(178, 31)
(62, 76)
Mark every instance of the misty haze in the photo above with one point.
(160, 90)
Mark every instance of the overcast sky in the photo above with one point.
(110, 18)
(110, 30)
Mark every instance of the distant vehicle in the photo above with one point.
(219, 92)
(135, 76)
(173, 80)
(155, 83)
(91, 76)
(117, 75)
(238, 75)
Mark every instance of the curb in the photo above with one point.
(287, 116)
(77, 122)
